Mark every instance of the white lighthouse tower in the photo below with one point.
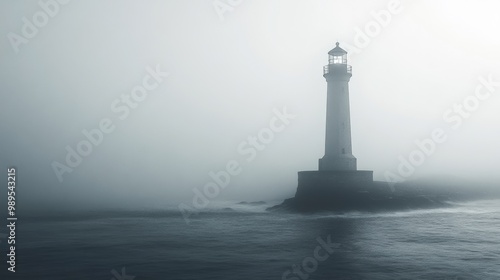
(338, 147)
(337, 185)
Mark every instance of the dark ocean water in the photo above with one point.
(461, 242)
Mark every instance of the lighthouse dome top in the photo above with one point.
(337, 50)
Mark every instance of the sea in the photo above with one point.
(236, 241)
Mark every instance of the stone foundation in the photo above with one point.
(329, 186)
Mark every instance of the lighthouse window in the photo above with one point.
(343, 150)
(337, 59)
(343, 126)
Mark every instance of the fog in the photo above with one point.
(230, 67)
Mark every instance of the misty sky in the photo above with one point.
(228, 71)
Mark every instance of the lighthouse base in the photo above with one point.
(342, 191)
(327, 183)
(322, 190)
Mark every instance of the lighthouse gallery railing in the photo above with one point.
(326, 69)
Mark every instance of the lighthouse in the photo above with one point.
(337, 179)
(338, 147)
(338, 185)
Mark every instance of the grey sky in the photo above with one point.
(226, 77)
